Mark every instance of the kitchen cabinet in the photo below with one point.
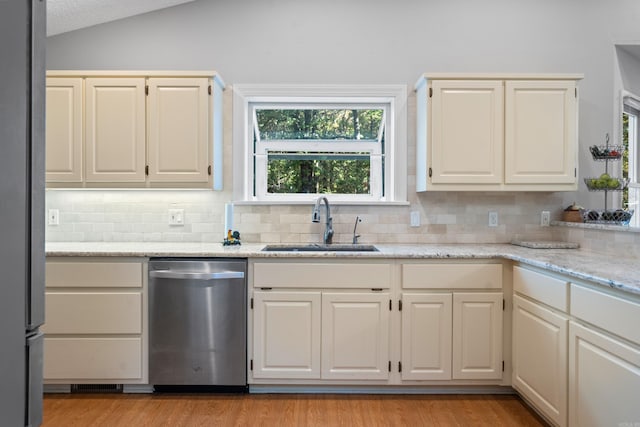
(286, 340)
(64, 130)
(452, 324)
(320, 321)
(540, 331)
(115, 130)
(604, 359)
(96, 321)
(141, 130)
(355, 335)
(497, 132)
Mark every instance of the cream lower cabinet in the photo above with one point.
(604, 359)
(539, 341)
(286, 334)
(320, 335)
(320, 321)
(95, 330)
(355, 336)
(540, 357)
(452, 334)
(604, 379)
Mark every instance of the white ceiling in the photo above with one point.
(69, 15)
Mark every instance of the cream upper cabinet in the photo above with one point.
(64, 130)
(134, 129)
(540, 132)
(178, 114)
(115, 129)
(467, 132)
(496, 132)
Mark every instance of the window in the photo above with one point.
(293, 143)
(631, 156)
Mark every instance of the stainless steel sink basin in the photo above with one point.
(313, 247)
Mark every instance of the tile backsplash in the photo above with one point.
(143, 215)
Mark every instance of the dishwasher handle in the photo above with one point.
(219, 275)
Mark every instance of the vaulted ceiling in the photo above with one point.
(69, 15)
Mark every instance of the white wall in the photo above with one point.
(381, 41)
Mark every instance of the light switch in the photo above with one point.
(415, 219)
(176, 216)
(53, 217)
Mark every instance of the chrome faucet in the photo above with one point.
(315, 217)
(355, 236)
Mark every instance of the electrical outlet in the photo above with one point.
(545, 218)
(415, 219)
(53, 217)
(176, 216)
(493, 219)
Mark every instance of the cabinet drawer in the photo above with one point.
(317, 275)
(94, 274)
(452, 276)
(616, 315)
(92, 358)
(546, 289)
(93, 313)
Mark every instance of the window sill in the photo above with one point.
(590, 226)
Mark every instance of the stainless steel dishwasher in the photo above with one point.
(197, 323)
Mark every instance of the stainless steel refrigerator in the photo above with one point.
(22, 91)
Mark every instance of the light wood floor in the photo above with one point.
(135, 410)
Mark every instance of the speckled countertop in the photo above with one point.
(605, 270)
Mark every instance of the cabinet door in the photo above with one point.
(355, 336)
(286, 335)
(467, 132)
(178, 114)
(540, 358)
(604, 380)
(115, 129)
(64, 129)
(540, 132)
(477, 335)
(426, 336)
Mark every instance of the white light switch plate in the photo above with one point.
(176, 216)
(545, 218)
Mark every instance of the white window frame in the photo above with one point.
(631, 105)
(247, 96)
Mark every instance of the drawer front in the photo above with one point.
(316, 275)
(452, 276)
(613, 314)
(62, 274)
(93, 313)
(548, 290)
(92, 358)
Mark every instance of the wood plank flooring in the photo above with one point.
(283, 410)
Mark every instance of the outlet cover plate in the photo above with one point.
(415, 219)
(545, 218)
(493, 219)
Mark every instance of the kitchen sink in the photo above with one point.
(314, 247)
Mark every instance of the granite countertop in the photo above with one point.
(605, 270)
